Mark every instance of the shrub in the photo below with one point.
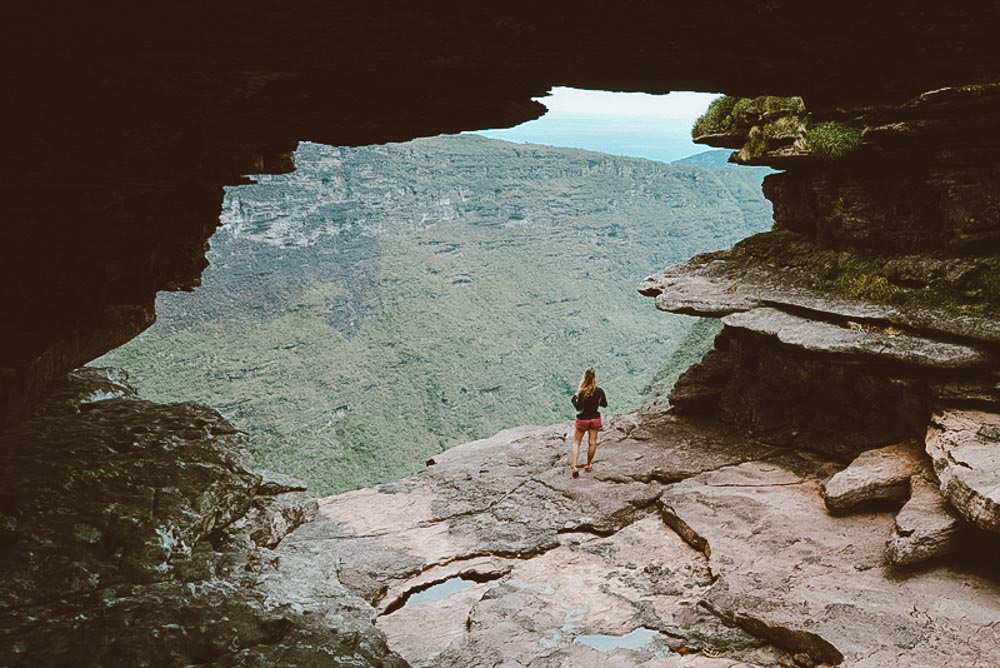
(832, 139)
(727, 114)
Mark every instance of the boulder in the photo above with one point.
(964, 446)
(813, 583)
(882, 474)
(925, 528)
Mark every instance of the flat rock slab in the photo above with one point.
(621, 600)
(965, 449)
(688, 535)
(815, 583)
(925, 528)
(512, 496)
(856, 340)
(763, 271)
(882, 474)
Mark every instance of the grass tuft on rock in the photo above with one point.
(832, 139)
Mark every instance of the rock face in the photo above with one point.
(871, 305)
(965, 449)
(122, 515)
(133, 535)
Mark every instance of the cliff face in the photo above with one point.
(867, 317)
(383, 303)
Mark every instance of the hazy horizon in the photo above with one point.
(656, 127)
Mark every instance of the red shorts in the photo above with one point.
(588, 424)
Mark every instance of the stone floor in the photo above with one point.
(711, 549)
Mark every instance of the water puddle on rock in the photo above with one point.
(440, 591)
(637, 639)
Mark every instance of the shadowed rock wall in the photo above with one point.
(126, 121)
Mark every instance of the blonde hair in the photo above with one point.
(588, 383)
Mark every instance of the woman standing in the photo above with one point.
(587, 400)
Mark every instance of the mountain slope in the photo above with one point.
(382, 303)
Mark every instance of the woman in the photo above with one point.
(586, 401)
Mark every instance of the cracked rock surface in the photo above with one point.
(690, 544)
(709, 547)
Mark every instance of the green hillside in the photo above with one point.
(383, 303)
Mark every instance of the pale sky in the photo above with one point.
(577, 102)
(657, 127)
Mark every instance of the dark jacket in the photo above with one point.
(587, 406)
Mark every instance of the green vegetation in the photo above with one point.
(832, 139)
(383, 303)
(762, 137)
(767, 122)
(736, 115)
(866, 287)
(906, 282)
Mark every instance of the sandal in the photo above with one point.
(576, 472)
(588, 468)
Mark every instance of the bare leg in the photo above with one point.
(575, 452)
(591, 446)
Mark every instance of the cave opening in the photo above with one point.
(382, 303)
(856, 371)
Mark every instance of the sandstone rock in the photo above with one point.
(641, 577)
(791, 398)
(787, 570)
(853, 339)
(273, 483)
(773, 578)
(699, 389)
(882, 474)
(786, 270)
(422, 632)
(965, 449)
(925, 528)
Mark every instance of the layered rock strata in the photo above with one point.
(871, 307)
(133, 535)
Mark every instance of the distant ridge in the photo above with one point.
(714, 159)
